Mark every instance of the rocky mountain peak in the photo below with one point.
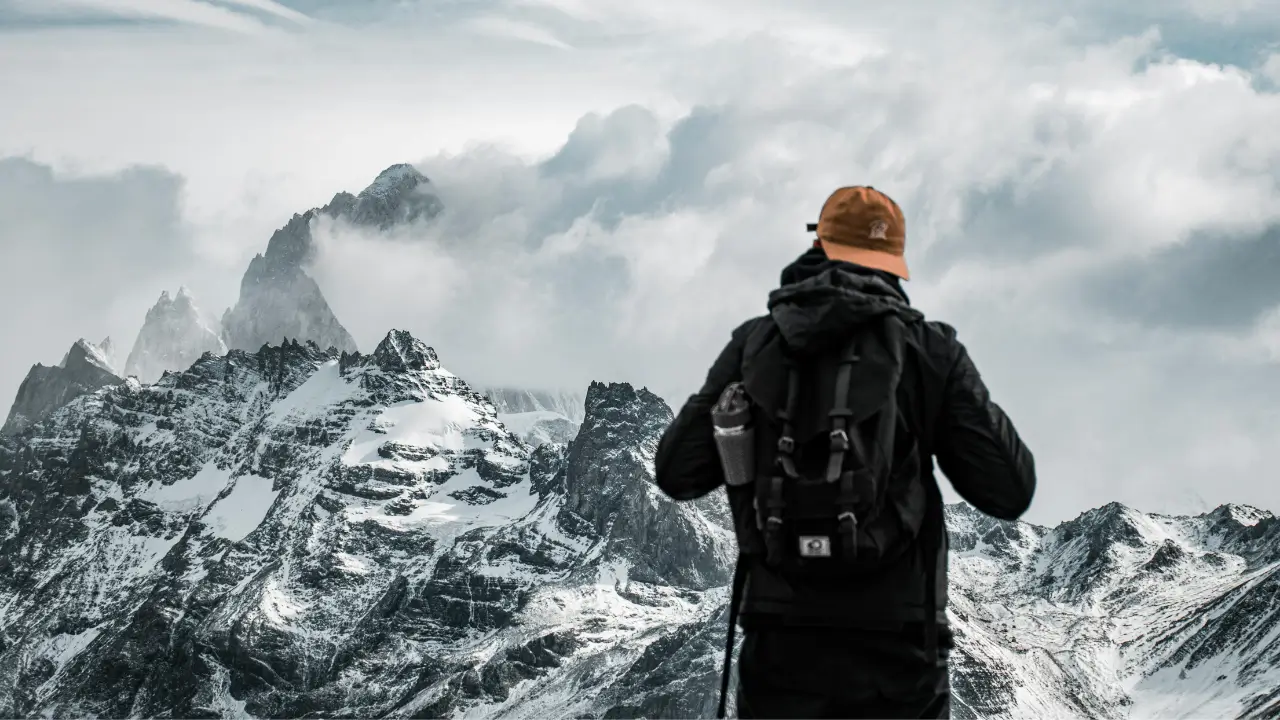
(287, 365)
(394, 176)
(1110, 523)
(970, 530)
(290, 246)
(400, 194)
(278, 298)
(1085, 557)
(1246, 515)
(83, 369)
(620, 403)
(173, 336)
(609, 493)
(1249, 532)
(84, 353)
(400, 351)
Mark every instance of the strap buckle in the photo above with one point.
(786, 445)
(849, 534)
(839, 440)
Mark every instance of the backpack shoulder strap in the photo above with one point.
(784, 468)
(865, 476)
(841, 413)
(841, 442)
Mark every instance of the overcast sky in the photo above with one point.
(1091, 192)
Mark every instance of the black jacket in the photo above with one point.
(941, 394)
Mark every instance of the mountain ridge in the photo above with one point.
(257, 496)
(278, 301)
(297, 531)
(83, 369)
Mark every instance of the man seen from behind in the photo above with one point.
(823, 419)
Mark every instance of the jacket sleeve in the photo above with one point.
(977, 446)
(687, 465)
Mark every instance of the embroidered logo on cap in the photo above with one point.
(879, 230)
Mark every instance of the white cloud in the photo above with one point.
(508, 28)
(272, 8)
(1266, 335)
(1229, 12)
(618, 201)
(194, 12)
(86, 256)
(1271, 68)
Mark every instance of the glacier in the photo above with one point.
(538, 416)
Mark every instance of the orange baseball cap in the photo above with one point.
(864, 226)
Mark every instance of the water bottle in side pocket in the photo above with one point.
(735, 438)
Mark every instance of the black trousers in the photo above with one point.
(824, 673)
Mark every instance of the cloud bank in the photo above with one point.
(1092, 200)
(1101, 225)
(83, 256)
(235, 16)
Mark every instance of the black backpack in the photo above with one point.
(838, 494)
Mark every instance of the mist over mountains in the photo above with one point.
(255, 517)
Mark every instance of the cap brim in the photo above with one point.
(888, 262)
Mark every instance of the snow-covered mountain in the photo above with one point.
(299, 532)
(304, 532)
(538, 416)
(1117, 614)
(400, 194)
(85, 368)
(173, 336)
(279, 300)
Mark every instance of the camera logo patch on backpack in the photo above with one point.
(815, 546)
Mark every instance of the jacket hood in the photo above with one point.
(821, 299)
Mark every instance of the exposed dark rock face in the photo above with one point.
(279, 300)
(609, 494)
(84, 369)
